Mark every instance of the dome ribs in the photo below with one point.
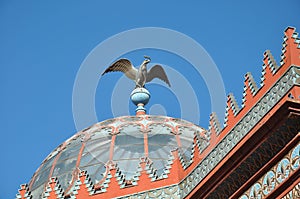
(24, 192)
(53, 190)
(173, 167)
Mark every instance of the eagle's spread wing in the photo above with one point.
(157, 72)
(123, 65)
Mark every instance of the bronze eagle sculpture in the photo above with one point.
(141, 75)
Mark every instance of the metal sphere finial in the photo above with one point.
(140, 97)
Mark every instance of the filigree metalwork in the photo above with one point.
(294, 193)
(275, 176)
(170, 192)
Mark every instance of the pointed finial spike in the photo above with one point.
(232, 109)
(251, 83)
(234, 106)
(270, 62)
(250, 89)
(214, 124)
(291, 48)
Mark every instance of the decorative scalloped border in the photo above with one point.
(294, 193)
(281, 171)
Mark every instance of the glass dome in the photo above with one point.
(123, 141)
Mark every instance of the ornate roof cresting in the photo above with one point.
(24, 192)
(250, 88)
(53, 190)
(214, 124)
(232, 108)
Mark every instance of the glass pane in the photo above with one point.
(101, 156)
(65, 166)
(161, 152)
(163, 140)
(128, 152)
(131, 129)
(159, 129)
(159, 165)
(187, 132)
(96, 172)
(47, 164)
(103, 133)
(129, 143)
(128, 168)
(97, 145)
(129, 139)
(70, 151)
(41, 178)
(96, 151)
(186, 141)
(65, 180)
(37, 192)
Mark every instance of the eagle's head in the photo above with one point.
(147, 59)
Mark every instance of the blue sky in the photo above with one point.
(43, 44)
